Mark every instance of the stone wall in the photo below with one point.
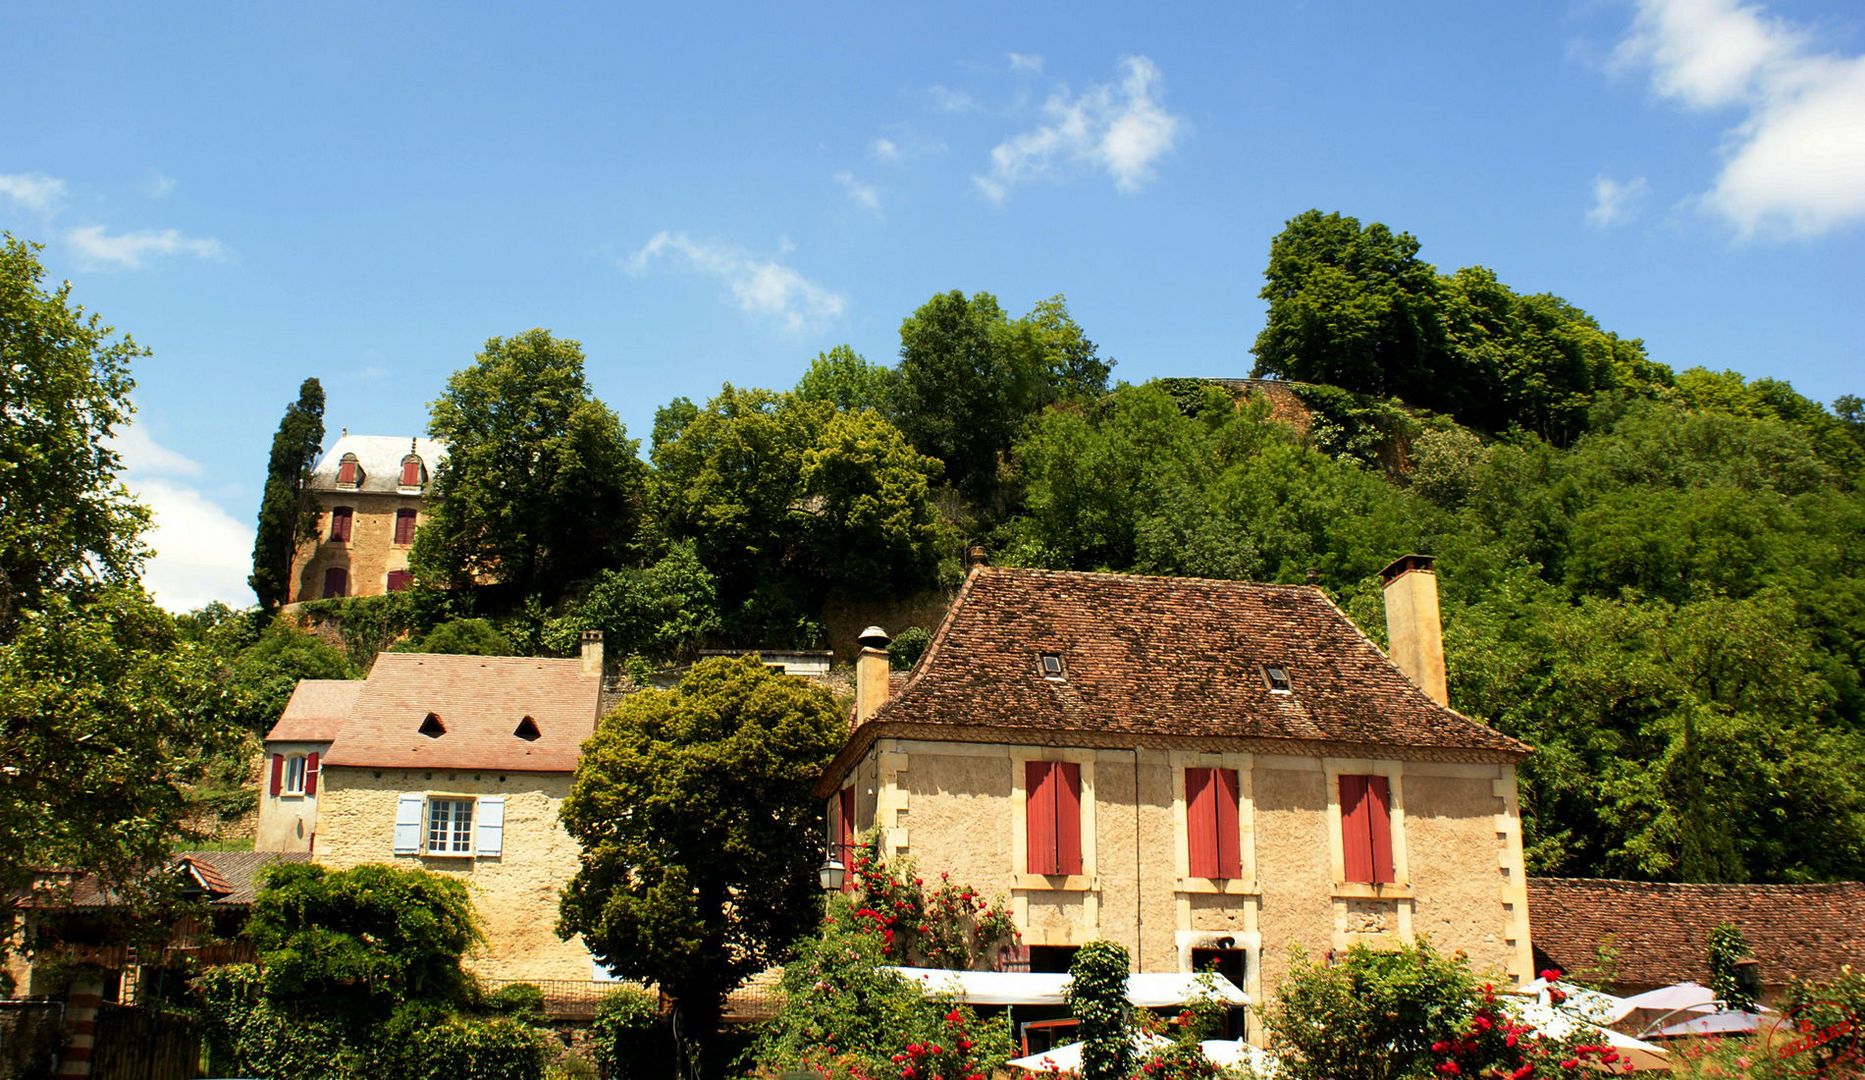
(371, 551)
(514, 894)
(287, 822)
(957, 807)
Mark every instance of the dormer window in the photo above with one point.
(349, 471)
(1277, 676)
(1052, 666)
(432, 727)
(412, 474)
(527, 730)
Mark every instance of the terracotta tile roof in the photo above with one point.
(231, 878)
(1662, 930)
(479, 701)
(316, 710)
(1155, 656)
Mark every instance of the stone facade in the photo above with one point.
(514, 893)
(288, 817)
(375, 478)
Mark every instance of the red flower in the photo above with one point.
(1552, 974)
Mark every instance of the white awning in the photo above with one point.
(1148, 990)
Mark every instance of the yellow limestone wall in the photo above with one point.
(958, 807)
(514, 895)
(371, 551)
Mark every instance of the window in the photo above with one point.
(340, 518)
(527, 730)
(432, 727)
(1366, 828)
(404, 526)
(336, 582)
(294, 774)
(411, 472)
(1052, 665)
(400, 580)
(450, 826)
(1211, 824)
(1052, 799)
(1277, 677)
(350, 471)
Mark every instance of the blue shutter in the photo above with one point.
(491, 824)
(408, 824)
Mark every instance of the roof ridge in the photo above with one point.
(1702, 884)
(1129, 576)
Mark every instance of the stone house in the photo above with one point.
(455, 764)
(1207, 772)
(371, 493)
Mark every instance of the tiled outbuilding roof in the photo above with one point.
(1661, 931)
(1156, 656)
(316, 710)
(225, 878)
(478, 705)
(380, 457)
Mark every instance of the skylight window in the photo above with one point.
(527, 730)
(432, 727)
(1277, 676)
(1052, 665)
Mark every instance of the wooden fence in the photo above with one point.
(144, 1044)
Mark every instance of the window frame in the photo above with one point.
(354, 467)
(346, 515)
(1368, 843)
(459, 836)
(419, 472)
(413, 518)
(1224, 831)
(297, 767)
(343, 580)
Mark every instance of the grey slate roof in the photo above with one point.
(380, 457)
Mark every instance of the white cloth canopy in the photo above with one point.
(1683, 995)
(1235, 1053)
(1068, 1058)
(1720, 1023)
(1558, 1023)
(1148, 990)
(1227, 1053)
(1591, 1005)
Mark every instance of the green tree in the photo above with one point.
(1072, 364)
(465, 637)
(1097, 998)
(66, 523)
(1728, 947)
(699, 830)
(968, 381)
(541, 485)
(1372, 1015)
(660, 612)
(287, 510)
(844, 379)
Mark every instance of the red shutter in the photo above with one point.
(346, 473)
(310, 773)
(400, 580)
(1355, 833)
(1068, 817)
(336, 581)
(1040, 814)
(340, 524)
(845, 834)
(410, 474)
(404, 526)
(1229, 842)
(1379, 827)
(1201, 835)
(278, 773)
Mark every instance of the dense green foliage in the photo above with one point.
(1727, 949)
(661, 611)
(698, 826)
(628, 1038)
(844, 1015)
(287, 511)
(541, 485)
(465, 637)
(1373, 1015)
(1097, 998)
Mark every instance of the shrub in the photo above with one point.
(248, 1036)
(1097, 996)
(520, 1001)
(423, 1044)
(1373, 1015)
(629, 1037)
(906, 650)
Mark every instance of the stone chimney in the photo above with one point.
(871, 671)
(591, 654)
(1413, 626)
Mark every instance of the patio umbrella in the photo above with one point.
(1068, 1058)
(1720, 1023)
(1555, 1022)
(1676, 997)
(1235, 1053)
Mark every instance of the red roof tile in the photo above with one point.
(316, 710)
(479, 701)
(1156, 656)
(1661, 930)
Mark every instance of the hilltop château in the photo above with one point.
(371, 493)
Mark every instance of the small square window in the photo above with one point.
(1277, 677)
(1052, 665)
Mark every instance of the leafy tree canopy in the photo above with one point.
(541, 485)
(699, 831)
(843, 379)
(65, 521)
(287, 511)
(466, 637)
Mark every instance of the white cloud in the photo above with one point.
(201, 553)
(128, 250)
(1029, 62)
(884, 150)
(158, 185)
(945, 99)
(36, 192)
(1792, 164)
(1615, 203)
(861, 194)
(761, 287)
(1120, 129)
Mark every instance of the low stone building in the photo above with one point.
(295, 748)
(1634, 936)
(1207, 772)
(371, 493)
(455, 764)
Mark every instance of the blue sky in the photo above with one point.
(264, 192)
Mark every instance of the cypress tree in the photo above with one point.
(287, 513)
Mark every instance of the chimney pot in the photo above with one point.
(872, 667)
(1413, 626)
(975, 556)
